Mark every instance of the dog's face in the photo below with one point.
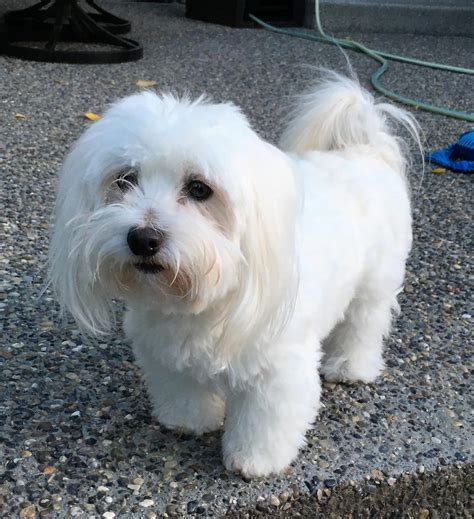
(175, 203)
(175, 231)
(168, 221)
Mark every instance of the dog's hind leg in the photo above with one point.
(353, 350)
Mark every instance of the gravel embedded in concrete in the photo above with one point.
(76, 436)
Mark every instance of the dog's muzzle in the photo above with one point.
(145, 242)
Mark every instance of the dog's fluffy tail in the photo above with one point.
(337, 113)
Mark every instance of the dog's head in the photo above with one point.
(178, 204)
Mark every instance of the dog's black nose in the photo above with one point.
(144, 241)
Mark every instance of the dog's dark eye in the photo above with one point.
(198, 190)
(127, 180)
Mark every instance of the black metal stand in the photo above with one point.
(52, 21)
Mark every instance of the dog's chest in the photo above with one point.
(180, 343)
(192, 345)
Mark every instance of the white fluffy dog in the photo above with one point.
(240, 264)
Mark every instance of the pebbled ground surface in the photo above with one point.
(76, 435)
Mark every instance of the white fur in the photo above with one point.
(296, 254)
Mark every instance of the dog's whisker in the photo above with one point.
(176, 272)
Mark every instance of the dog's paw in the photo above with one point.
(253, 466)
(183, 426)
(190, 430)
(183, 419)
(253, 461)
(351, 370)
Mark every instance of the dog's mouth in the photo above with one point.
(148, 268)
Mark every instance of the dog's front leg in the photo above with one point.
(266, 422)
(179, 401)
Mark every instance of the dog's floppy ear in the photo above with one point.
(71, 272)
(268, 279)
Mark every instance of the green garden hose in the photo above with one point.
(383, 58)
